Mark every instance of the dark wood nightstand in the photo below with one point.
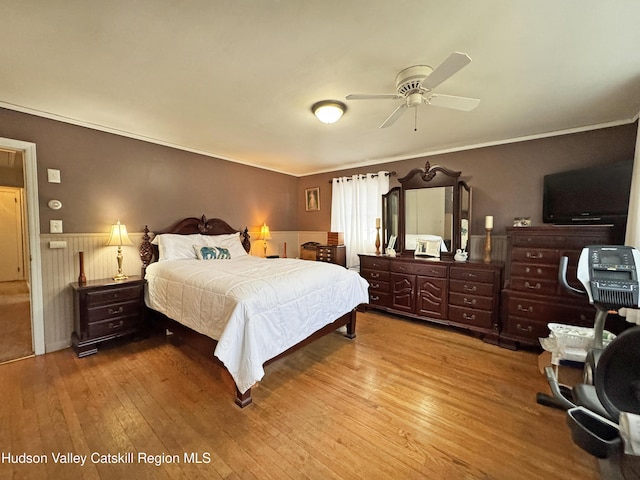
(332, 254)
(104, 310)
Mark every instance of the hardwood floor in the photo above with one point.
(15, 321)
(403, 400)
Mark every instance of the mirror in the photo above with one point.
(391, 219)
(430, 204)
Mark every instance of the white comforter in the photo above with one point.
(256, 308)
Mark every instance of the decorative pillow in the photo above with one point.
(230, 241)
(204, 252)
(172, 246)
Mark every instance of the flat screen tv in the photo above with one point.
(594, 195)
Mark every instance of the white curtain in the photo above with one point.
(633, 219)
(356, 202)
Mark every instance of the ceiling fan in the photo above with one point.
(414, 85)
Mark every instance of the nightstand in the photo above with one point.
(332, 254)
(104, 310)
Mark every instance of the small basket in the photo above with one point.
(571, 336)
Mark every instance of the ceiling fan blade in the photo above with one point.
(394, 116)
(450, 101)
(363, 96)
(451, 65)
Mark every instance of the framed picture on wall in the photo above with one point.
(312, 199)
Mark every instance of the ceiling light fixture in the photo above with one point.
(329, 111)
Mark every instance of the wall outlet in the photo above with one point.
(57, 244)
(55, 226)
(53, 175)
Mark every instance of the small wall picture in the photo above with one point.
(312, 199)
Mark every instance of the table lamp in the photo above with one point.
(119, 238)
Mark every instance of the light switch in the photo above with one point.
(53, 175)
(55, 226)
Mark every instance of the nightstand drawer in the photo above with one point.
(113, 310)
(112, 326)
(112, 295)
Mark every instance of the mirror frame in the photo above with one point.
(430, 177)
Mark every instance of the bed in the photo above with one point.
(243, 311)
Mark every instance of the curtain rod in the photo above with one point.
(388, 174)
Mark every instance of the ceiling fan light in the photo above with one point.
(328, 111)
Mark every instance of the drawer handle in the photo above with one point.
(470, 288)
(113, 325)
(537, 286)
(468, 317)
(538, 270)
(375, 275)
(528, 309)
(534, 255)
(375, 298)
(466, 301)
(375, 285)
(529, 328)
(470, 275)
(433, 272)
(116, 311)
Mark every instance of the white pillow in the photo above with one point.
(172, 246)
(230, 241)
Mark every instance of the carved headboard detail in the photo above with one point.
(213, 226)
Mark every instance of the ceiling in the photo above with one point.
(236, 79)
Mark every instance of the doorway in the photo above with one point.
(16, 340)
(28, 290)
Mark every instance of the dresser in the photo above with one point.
(104, 310)
(332, 254)
(460, 294)
(532, 296)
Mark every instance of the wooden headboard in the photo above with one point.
(214, 226)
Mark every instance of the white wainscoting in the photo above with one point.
(61, 266)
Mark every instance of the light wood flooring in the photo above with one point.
(404, 400)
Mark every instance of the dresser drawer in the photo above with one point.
(564, 239)
(535, 255)
(533, 285)
(113, 310)
(382, 299)
(378, 286)
(373, 263)
(426, 270)
(374, 275)
(460, 273)
(473, 288)
(530, 329)
(550, 312)
(112, 326)
(527, 270)
(471, 301)
(466, 316)
(117, 294)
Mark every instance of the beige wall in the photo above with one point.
(506, 179)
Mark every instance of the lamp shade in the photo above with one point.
(264, 233)
(328, 111)
(118, 235)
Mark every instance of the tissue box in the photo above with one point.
(335, 238)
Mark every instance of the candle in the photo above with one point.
(488, 221)
(377, 223)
